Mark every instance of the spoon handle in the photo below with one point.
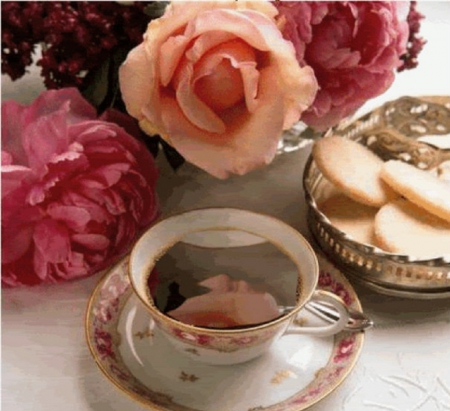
(357, 322)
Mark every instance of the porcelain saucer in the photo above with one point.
(297, 372)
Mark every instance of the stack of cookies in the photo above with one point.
(391, 205)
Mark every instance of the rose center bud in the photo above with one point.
(222, 88)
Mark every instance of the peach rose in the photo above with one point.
(218, 82)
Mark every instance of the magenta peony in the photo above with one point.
(76, 190)
(354, 48)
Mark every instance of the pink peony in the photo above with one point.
(354, 48)
(76, 190)
(218, 82)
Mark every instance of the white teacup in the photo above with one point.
(231, 346)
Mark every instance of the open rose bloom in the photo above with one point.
(76, 190)
(229, 303)
(354, 48)
(218, 82)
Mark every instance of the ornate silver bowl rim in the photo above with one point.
(391, 131)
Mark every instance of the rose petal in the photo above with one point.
(197, 112)
(170, 55)
(221, 87)
(138, 74)
(241, 57)
(206, 42)
(222, 283)
(250, 30)
(241, 308)
(249, 142)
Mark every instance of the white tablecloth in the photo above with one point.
(405, 363)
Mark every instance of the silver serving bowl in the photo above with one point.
(391, 131)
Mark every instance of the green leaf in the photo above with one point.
(156, 9)
(115, 97)
(102, 84)
(152, 143)
(174, 158)
(97, 84)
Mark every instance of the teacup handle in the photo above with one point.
(325, 330)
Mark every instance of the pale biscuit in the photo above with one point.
(354, 169)
(355, 219)
(443, 171)
(419, 186)
(404, 228)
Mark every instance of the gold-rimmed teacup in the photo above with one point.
(223, 226)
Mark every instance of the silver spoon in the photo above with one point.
(358, 321)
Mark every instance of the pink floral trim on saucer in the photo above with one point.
(105, 310)
(101, 327)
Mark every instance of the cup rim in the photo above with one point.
(161, 317)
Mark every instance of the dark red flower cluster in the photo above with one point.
(21, 30)
(415, 43)
(76, 36)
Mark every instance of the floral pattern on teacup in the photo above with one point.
(221, 343)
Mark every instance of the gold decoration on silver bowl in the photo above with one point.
(392, 131)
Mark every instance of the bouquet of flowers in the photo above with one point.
(212, 83)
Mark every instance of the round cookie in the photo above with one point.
(354, 169)
(419, 186)
(443, 171)
(355, 219)
(404, 228)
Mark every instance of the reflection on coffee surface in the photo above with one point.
(227, 287)
(228, 303)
